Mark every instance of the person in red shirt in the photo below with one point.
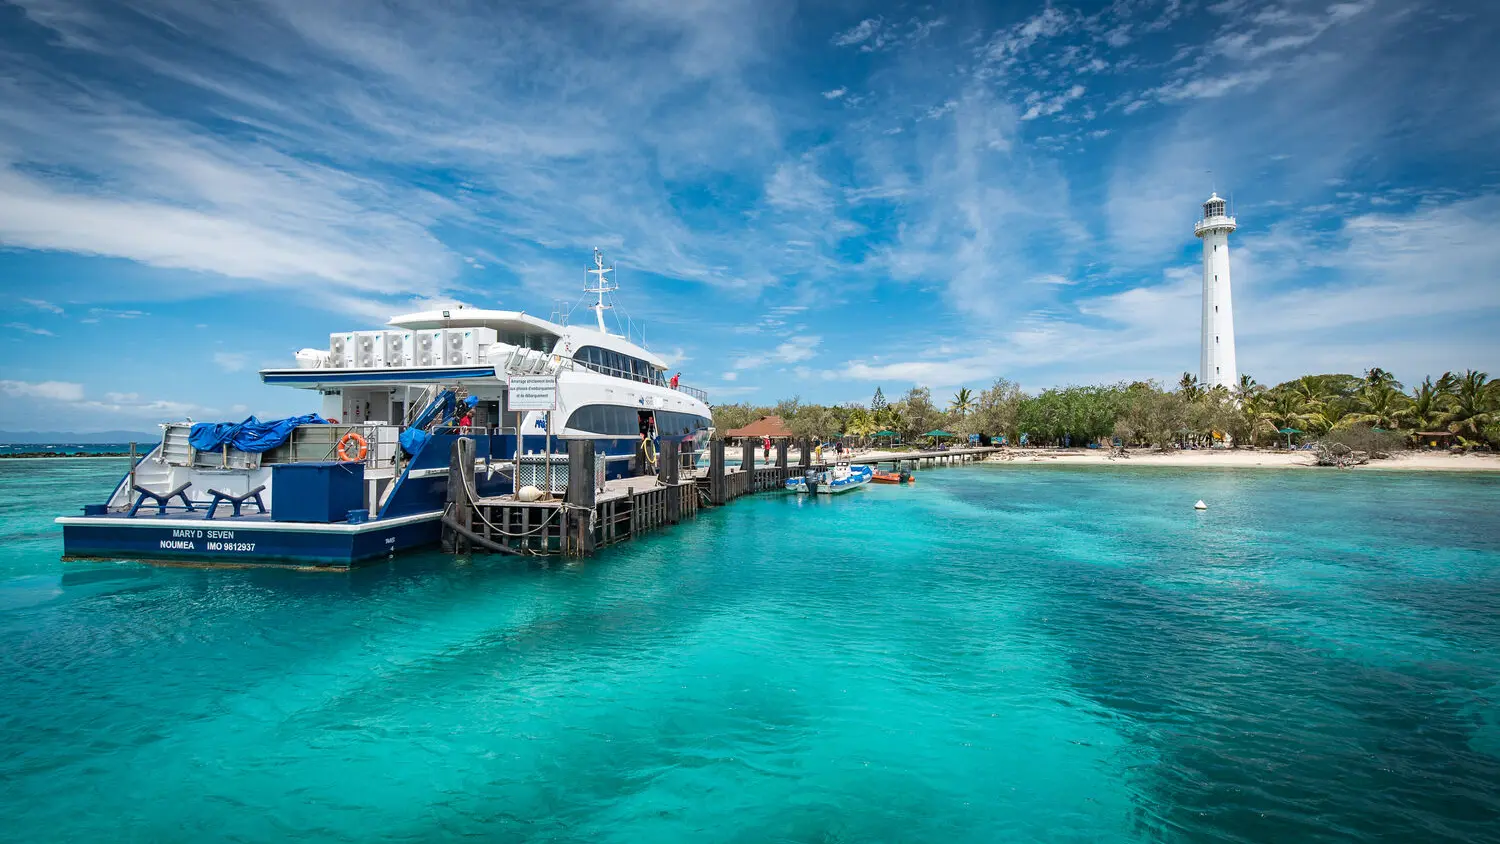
(674, 380)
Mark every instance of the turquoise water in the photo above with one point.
(998, 654)
(69, 448)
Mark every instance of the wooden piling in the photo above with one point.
(747, 456)
(460, 481)
(671, 462)
(716, 481)
(578, 530)
(804, 447)
(640, 466)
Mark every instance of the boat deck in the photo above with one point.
(179, 515)
(616, 489)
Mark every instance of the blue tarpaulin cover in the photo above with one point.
(415, 436)
(252, 435)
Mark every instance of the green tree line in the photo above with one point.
(1466, 405)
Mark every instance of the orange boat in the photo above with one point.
(892, 478)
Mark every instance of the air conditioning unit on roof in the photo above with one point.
(427, 348)
(398, 348)
(341, 350)
(369, 349)
(461, 346)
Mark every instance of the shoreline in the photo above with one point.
(1421, 461)
(1234, 459)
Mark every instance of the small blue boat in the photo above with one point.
(831, 481)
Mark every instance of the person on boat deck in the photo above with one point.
(675, 379)
(466, 421)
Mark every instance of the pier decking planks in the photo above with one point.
(630, 507)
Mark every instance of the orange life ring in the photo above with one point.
(358, 440)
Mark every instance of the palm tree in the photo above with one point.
(1380, 405)
(861, 425)
(1308, 388)
(1377, 377)
(1423, 405)
(1189, 387)
(963, 402)
(1471, 407)
(1286, 409)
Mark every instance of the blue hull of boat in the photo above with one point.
(230, 542)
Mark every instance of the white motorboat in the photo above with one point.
(841, 477)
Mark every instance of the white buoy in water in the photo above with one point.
(1200, 505)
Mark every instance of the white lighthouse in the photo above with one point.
(1216, 363)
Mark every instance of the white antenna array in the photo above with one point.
(600, 285)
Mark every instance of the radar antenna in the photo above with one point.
(600, 285)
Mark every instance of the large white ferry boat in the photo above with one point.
(366, 476)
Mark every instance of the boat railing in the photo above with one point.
(522, 361)
(306, 444)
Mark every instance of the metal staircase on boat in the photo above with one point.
(175, 448)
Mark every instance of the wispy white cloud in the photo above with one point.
(73, 395)
(797, 186)
(874, 34)
(28, 329)
(859, 33)
(43, 305)
(792, 351)
(1041, 105)
(231, 361)
(51, 390)
(835, 93)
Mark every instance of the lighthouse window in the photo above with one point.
(1216, 338)
(1216, 308)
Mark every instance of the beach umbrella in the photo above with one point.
(886, 434)
(937, 434)
(1289, 432)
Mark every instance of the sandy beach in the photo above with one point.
(1427, 461)
(1435, 461)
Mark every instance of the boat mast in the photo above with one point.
(599, 286)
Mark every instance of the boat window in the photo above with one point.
(617, 364)
(606, 420)
(673, 424)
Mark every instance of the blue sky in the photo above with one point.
(809, 199)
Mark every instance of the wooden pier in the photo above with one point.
(590, 516)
